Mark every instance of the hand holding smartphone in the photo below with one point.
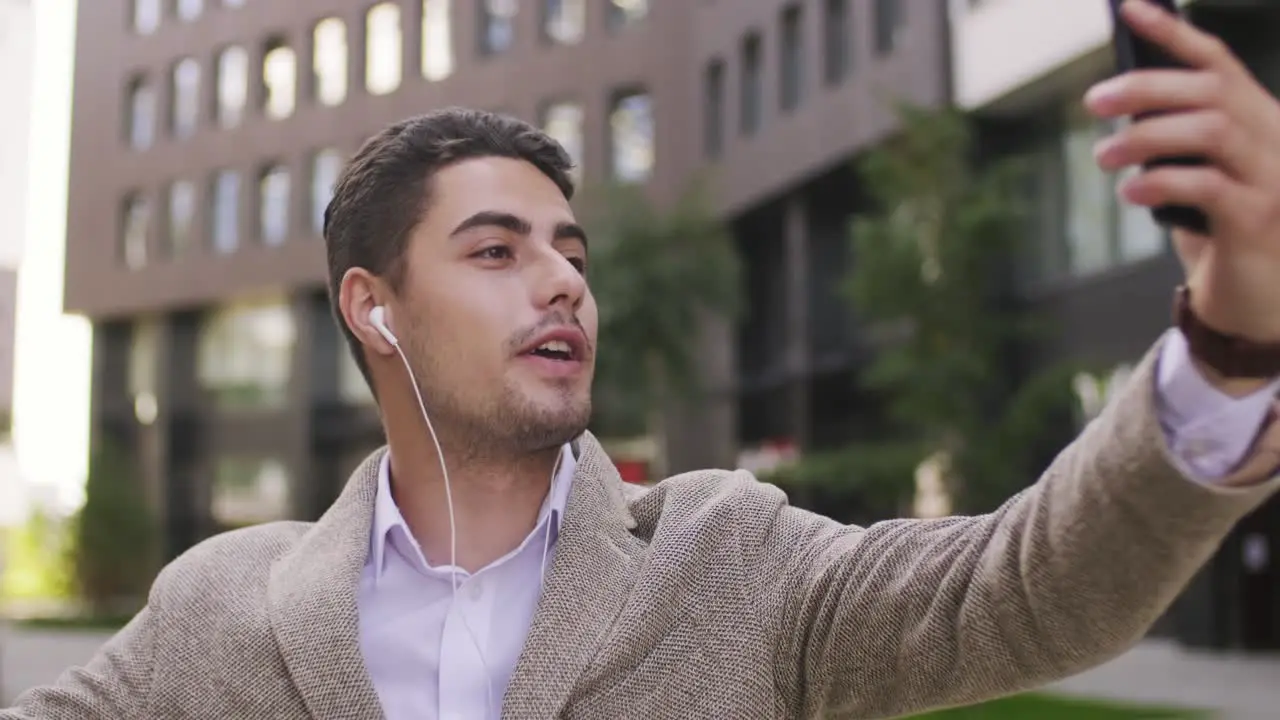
(1135, 53)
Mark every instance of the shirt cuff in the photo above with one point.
(1208, 432)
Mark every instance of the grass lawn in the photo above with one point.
(1043, 707)
(104, 624)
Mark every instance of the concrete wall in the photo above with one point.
(1002, 46)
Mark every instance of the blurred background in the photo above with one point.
(859, 247)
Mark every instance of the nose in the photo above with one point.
(558, 282)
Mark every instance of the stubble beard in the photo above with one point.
(499, 422)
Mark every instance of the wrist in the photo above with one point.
(1232, 362)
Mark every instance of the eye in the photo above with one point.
(494, 252)
(579, 264)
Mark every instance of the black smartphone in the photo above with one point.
(1135, 53)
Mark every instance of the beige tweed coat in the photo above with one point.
(705, 596)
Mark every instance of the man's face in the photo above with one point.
(501, 327)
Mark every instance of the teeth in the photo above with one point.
(556, 346)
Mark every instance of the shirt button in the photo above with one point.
(477, 591)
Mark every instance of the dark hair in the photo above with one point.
(383, 192)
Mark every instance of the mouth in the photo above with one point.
(564, 345)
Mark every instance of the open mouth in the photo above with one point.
(555, 350)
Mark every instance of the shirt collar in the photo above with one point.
(387, 518)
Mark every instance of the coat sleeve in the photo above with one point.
(910, 615)
(114, 685)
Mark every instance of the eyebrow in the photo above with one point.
(517, 225)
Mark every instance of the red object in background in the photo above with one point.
(633, 471)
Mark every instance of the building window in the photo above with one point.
(181, 216)
(713, 109)
(188, 10)
(144, 357)
(437, 40)
(233, 85)
(837, 50)
(751, 95)
(621, 13)
(890, 19)
(135, 225)
(249, 491)
(329, 61)
(791, 59)
(184, 113)
(245, 354)
(273, 205)
(1077, 224)
(1089, 200)
(353, 389)
(141, 114)
(1138, 235)
(279, 79)
(326, 165)
(564, 22)
(1044, 196)
(563, 121)
(383, 58)
(497, 25)
(631, 137)
(146, 16)
(225, 218)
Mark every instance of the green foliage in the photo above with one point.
(929, 273)
(655, 271)
(864, 479)
(116, 534)
(38, 562)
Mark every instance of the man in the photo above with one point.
(706, 596)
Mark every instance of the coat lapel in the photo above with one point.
(596, 564)
(312, 599)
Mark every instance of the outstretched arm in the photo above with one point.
(915, 614)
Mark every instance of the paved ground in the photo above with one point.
(1159, 672)
(29, 658)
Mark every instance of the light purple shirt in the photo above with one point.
(421, 646)
(432, 657)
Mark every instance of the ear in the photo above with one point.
(358, 295)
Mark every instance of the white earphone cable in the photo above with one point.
(453, 528)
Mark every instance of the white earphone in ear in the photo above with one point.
(378, 319)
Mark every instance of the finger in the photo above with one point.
(1147, 91)
(1178, 37)
(1203, 133)
(1203, 186)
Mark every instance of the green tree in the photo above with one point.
(116, 538)
(37, 559)
(929, 283)
(931, 276)
(657, 271)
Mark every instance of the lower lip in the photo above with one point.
(553, 368)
